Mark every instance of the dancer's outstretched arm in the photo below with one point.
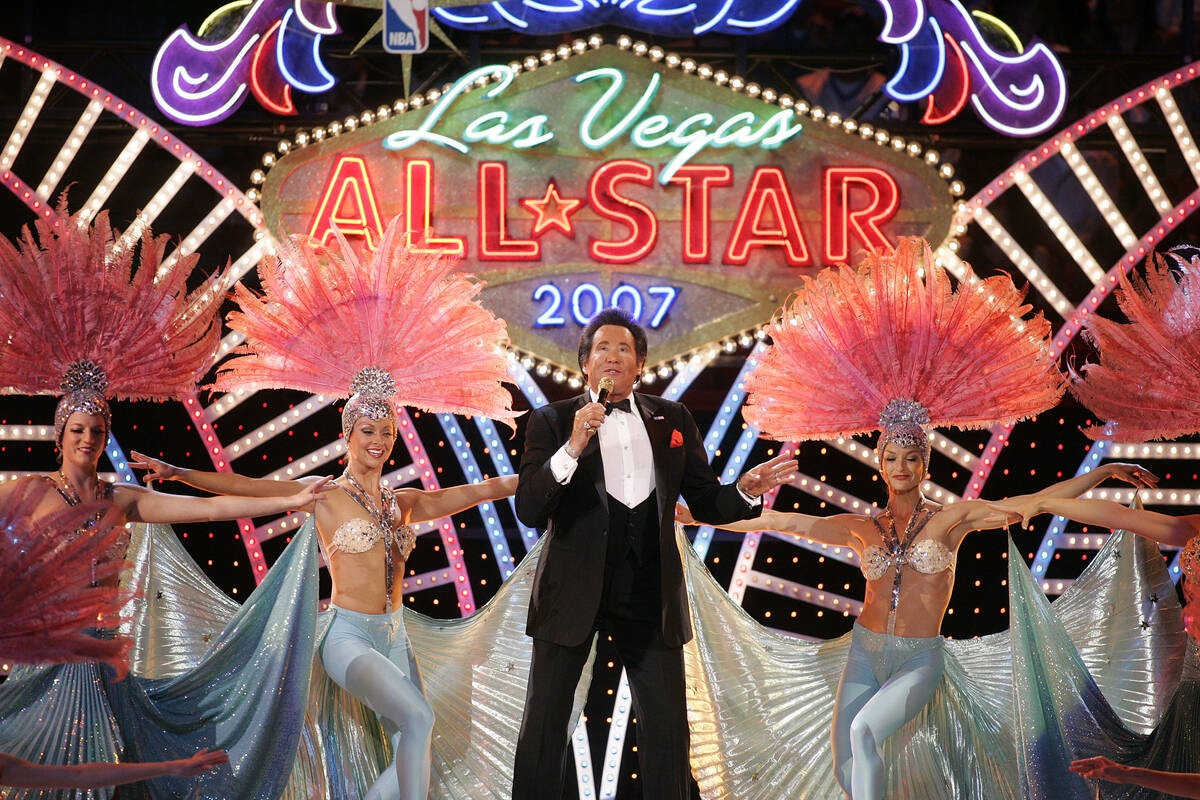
(1134, 474)
(1162, 528)
(424, 505)
(834, 531)
(444, 502)
(20, 773)
(144, 505)
(216, 482)
(1177, 784)
(977, 515)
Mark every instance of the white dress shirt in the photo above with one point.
(624, 451)
(626, 455)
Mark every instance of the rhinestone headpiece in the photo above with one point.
(83, 386)
(903, 423)
(373, 390)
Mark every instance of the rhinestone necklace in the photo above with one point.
(898, 550)
(382, 514)
(104, 491)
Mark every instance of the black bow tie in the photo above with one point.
(620, 405)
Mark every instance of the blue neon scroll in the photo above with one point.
(661, 17)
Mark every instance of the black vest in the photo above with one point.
(633, 530)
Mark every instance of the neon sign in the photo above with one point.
(688, 138)
(274, 47)
(610, 179)
(946, 61)
(625, 296)
(662, 17)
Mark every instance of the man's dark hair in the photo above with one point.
(611, 316)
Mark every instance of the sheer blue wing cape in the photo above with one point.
(474, 673)
(1104, 670)
(205, 672)
(1094, 673)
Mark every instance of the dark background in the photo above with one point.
(827, 53)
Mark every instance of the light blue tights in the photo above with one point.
(886, 682)
(368, 655)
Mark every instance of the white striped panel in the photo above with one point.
(29, 114)
(1023, 262)
(1099, 195)
(114, 175)
(1137, 160)
(66, 154)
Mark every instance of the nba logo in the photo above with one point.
(405, 26)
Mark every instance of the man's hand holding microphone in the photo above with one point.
(589, 419)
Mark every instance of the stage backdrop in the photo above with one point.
(693, 200)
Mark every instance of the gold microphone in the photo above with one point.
(603, 389)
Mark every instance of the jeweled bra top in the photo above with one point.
(104, 492)
(927, 556)
(360, 534)
(1189, 561)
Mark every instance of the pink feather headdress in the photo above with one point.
(83, 321)
(403, 327)
(47, 574)
(1148, 378)
(891, 345)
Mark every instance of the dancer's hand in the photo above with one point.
(311, 493)
(202, 762)
(1017, 510)
(683, 515)
(767, 475)
(1134, 474)
(156, 468)
(1100, 769)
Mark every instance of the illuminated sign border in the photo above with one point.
(562, 368)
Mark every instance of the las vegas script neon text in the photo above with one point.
(689, 137)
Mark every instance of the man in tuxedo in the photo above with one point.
(601, 479)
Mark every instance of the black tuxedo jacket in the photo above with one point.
(570, 575)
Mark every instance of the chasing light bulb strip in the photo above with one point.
(720, 426)
(1017, 255)
(1058, 226)
(1099, 195)
(29, 114)
(503, 466)
(1141, 167)
(116, 171)
(473, 474)
(66, 153)
(151, 210)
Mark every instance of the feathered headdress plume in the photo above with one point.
(81, 320)
(48, 574)
(1148, 378)
(890, 344)
(403, 327)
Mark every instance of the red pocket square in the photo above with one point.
(676, 438)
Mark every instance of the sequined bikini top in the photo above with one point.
(360, 534)
(1189, 561)
(104, 492)
(928, 556)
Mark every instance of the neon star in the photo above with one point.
(553, 211)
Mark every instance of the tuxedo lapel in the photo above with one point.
(589, 458)
(658, 428)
